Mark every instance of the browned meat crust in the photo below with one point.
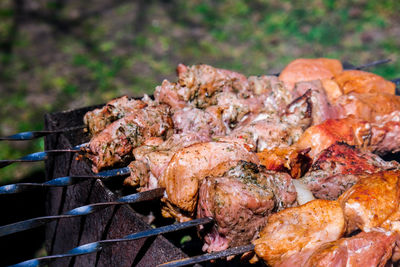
(98, 119)
(338, 167)
(115, 143)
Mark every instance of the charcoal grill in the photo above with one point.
(110, 223)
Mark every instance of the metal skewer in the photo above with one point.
(99, 245)
(80, 211)
(209, 256)
(62, 181)
(36, 134)
(40, 156)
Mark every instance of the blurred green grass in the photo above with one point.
(57, 55)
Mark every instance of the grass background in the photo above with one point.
(57, 55)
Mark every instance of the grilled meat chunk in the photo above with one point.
(151, 160)
(300, 228)
(367, 106)
(170, 94)
(287, 159)
(363, 82)
(98, 119)
(191, 119)
(115, 143)
(189, 166)
(305, 69)
(378, 137)
(240, 201)
(338, 167)
(371, 200)
(364, 249)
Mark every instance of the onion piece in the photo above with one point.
(304, 194)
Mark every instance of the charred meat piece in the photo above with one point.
(371, 200)
(363, 82)
(364, 249)
(115, 143)
(378, 137)
(189, 166)
(338, 167)
(300, 228)
(151, 160)
(288, 159)
(305, 69)
(98, 119)
(240, 201)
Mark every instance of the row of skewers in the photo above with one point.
(289, 163)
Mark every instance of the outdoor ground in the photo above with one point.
(58, 55)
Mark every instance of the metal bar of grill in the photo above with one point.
(62, 181)
(80, 211)
(209, 256)
(99, 245)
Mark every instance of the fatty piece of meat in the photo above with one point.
(240, 204)
(368, 106)
(260, 85)
(203, 81)
(380, 137)
(151, 161)
(300, 228)
(98, 119)
(367, 249)
(321, 107)
(190, 165)
(190, 119)
(338, 167)
(268, 131)
(371, 200)
(171, 94)
(306, 69)
(363, 82)
(115, 143)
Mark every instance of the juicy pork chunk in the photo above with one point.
(379, 137)
(189, 166)
(321, 107)
(363, 82)
(339, 167)
(170, 94)
(240, 202)
(267, 130)
(367, 249)
(115, 143)
(151, 160)
(300, 228)
(98, 119)
(371, 200)
(303, 69)
(191, 119)
(367, 106)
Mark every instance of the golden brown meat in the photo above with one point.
(304, 69)
(379, 137)
(294, 229)
(190, 165)
(367, 106)
(287, 159)
(371, 200)
(358, 81)
(367, 249)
